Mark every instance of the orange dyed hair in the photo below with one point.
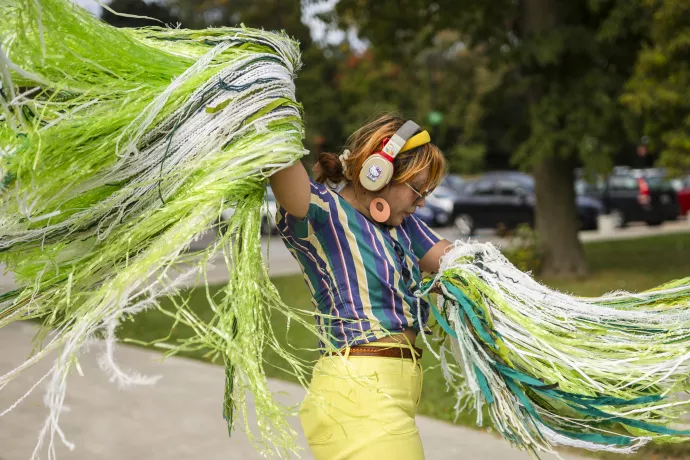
(369, 139)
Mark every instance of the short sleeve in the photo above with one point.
(317, 215)
(422, 238)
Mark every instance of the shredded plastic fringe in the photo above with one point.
(553, 369)
(118, 149)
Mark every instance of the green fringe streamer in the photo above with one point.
(604, 373)
(118, 149)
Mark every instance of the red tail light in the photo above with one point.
(643, 198)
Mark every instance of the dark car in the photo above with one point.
(454, 182)
(634, 196)
(432, 215)
(507, 200)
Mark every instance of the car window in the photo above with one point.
(442, 192)
(465, 189)
(623, 183)
(508, 188)
(580, 187)
(484, 187)
(583, 187)
(455, 181)
(677, 184)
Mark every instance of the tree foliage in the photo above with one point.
(659, 91)
(577, 67)
(558, 70)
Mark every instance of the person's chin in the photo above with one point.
(397, 220)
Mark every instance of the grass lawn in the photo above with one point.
(625, 264)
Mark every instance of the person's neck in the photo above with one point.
(359, 201)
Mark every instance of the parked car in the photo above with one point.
(453, 182)
(507, 199)
(268, 213)
(634, 196)
(438, 208)
(425, 214)
(682, 187)
(442, 202)
(433, 216)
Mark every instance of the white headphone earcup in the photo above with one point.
(376, 173)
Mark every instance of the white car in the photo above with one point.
(268, 214)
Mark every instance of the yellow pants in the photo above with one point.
(363, 407)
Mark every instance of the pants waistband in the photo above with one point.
(392, 351)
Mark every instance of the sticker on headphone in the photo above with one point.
(392, 148)
(374, 173)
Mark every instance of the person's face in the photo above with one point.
(404, 198)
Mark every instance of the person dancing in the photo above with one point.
(362, 251)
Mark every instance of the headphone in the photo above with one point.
(377, 170)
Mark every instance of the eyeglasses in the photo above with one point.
(420, 196)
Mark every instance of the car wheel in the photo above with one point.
(265, 227)
(464, 225)
(618, 218)
(442, 219)
(654, 223)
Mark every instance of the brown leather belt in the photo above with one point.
(385, 352)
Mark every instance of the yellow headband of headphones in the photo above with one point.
(416, 140)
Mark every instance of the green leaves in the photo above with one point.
(658, 91)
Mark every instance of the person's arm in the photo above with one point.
(427, 245)
(292, 189)
(430, 263)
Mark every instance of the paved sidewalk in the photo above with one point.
(177, 418)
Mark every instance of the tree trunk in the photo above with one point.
(556, 213)
(556, 219)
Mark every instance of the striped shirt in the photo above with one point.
(362, 276)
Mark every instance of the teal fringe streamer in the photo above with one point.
(554, 369)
